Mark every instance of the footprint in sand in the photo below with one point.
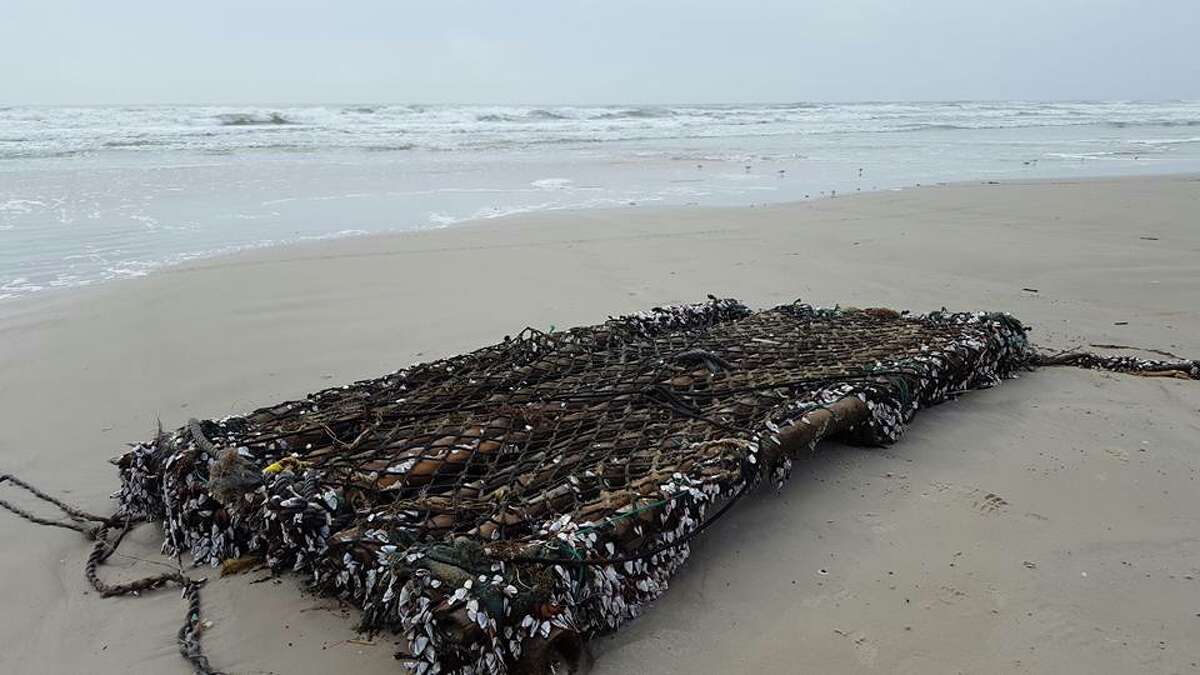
(991, 503)
(950, 595)
(981, 500)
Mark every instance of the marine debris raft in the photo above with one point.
(498, 508)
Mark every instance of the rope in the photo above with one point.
(1182, 368)
(189, 633)
(714, 363)
(78, 516)
(101, 551)
(206, 446)
(89, 532)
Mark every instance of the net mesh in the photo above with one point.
(542, 489)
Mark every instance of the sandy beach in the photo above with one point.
(1045, 526)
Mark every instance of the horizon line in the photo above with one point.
(865, 101)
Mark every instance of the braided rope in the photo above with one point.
(79, 516)
(189, 633)
(206, 446)
(1187, 369)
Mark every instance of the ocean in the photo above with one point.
(89, 194)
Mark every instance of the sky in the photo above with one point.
(595, 51)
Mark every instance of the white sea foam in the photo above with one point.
(256, 216)
(20, 286)
(20, 205)
(552, 183)
(340, 234)
(1091, 156)
(1166, 141)
(444, 219)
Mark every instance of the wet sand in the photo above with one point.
(1047, 525)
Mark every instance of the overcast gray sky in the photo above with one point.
(593, 51)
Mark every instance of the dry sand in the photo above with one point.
(1049, 525)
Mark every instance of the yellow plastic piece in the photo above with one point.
(287, 463)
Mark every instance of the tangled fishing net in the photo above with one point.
(499, 505)
(498, 508)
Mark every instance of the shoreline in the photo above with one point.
(282, 248)
(1097, 471)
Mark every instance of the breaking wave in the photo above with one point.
(534, 114)
(132, 143)
(1122, 124)
(398, 147)
(252, 119)
(936, 127)
(645, 113)
(28, 132)
(543, 114)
